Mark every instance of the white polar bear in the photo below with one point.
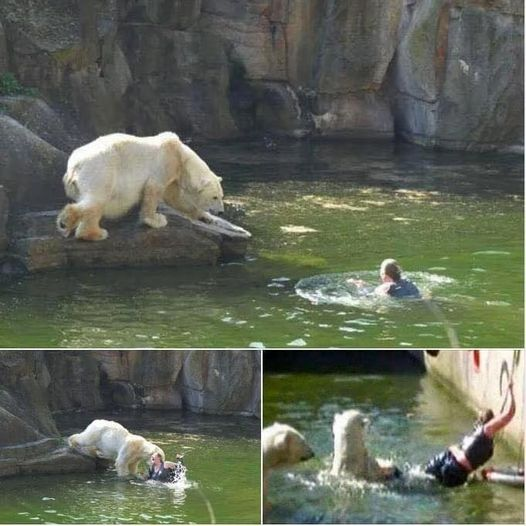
(109, 440)
(282, 446)
(350, 454)
(110, 175)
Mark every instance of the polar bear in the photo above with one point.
(110, 175)
(282, 446)
(109, 440)
(350, 453)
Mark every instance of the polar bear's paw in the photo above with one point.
(157, 221)
(98, 234)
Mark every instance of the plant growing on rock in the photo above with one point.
(9, 85)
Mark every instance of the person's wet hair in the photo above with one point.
(484, 416)
(391, 268)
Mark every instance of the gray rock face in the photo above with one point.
(38, 245)
(4, 213)
(222, 381)
(459, 76)
(35, 384)
(30, 169)
(24, 412)
(435, 72)
(36, 115)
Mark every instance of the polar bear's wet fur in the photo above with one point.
(113, 173)
(282, 446)
(109, 440)
(351, 457)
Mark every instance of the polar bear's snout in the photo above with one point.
(308, 454)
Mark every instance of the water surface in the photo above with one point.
(313, 208)
(222, 455)
(411, 420)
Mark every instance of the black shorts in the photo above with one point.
(445, 468)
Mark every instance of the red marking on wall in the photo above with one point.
(476, 360)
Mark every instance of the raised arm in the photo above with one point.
(502, 420)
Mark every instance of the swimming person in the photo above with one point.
(452, 467)
(392, 282)
(165, 471)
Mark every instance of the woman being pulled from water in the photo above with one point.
(392, 282)
(452, 467)
(164, 471)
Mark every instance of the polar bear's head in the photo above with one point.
(149, 449)
(350, 453)
(283, 445)
(201, 184)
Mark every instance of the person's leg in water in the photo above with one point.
(445, 468)
(434, 466)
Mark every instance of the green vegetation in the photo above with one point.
(9, 85)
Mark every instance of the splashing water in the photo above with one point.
(337, 289)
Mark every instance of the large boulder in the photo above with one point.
(31, 169)
(24, 411)
(38, 245)
(38, 117)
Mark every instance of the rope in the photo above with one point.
(514, 363)
(208, 505)
(450, 330)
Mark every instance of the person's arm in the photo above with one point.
(502, 420)
(383, 289)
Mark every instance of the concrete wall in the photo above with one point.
(484, 386)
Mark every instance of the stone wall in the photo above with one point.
(484, 385)
(435, 72)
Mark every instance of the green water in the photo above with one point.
(222, 455)
(411, 420)
(313, 209)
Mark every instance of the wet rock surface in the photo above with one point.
(38, 246)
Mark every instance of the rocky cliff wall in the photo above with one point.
(36, 384)
(436, 72)
(440, 73)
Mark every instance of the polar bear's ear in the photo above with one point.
(282, 441)
(219, 179)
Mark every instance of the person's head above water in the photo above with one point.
(156, 459)
(484, 416)
(390, 270)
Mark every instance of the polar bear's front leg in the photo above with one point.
(122, 462)
(152, 195)
(89, 228)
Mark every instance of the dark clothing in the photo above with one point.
(163, 475)
(445, 468)
(403, 288)
(477, 447)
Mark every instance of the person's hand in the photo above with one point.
(357, 282)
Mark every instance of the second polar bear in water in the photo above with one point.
(282, 446)
(109, 440)
(350, 453)
(113, 173)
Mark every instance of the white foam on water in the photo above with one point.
(337, 290)
(492, 253)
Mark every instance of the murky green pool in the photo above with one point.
(222, 455)
(411, 419)
(313, 209)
